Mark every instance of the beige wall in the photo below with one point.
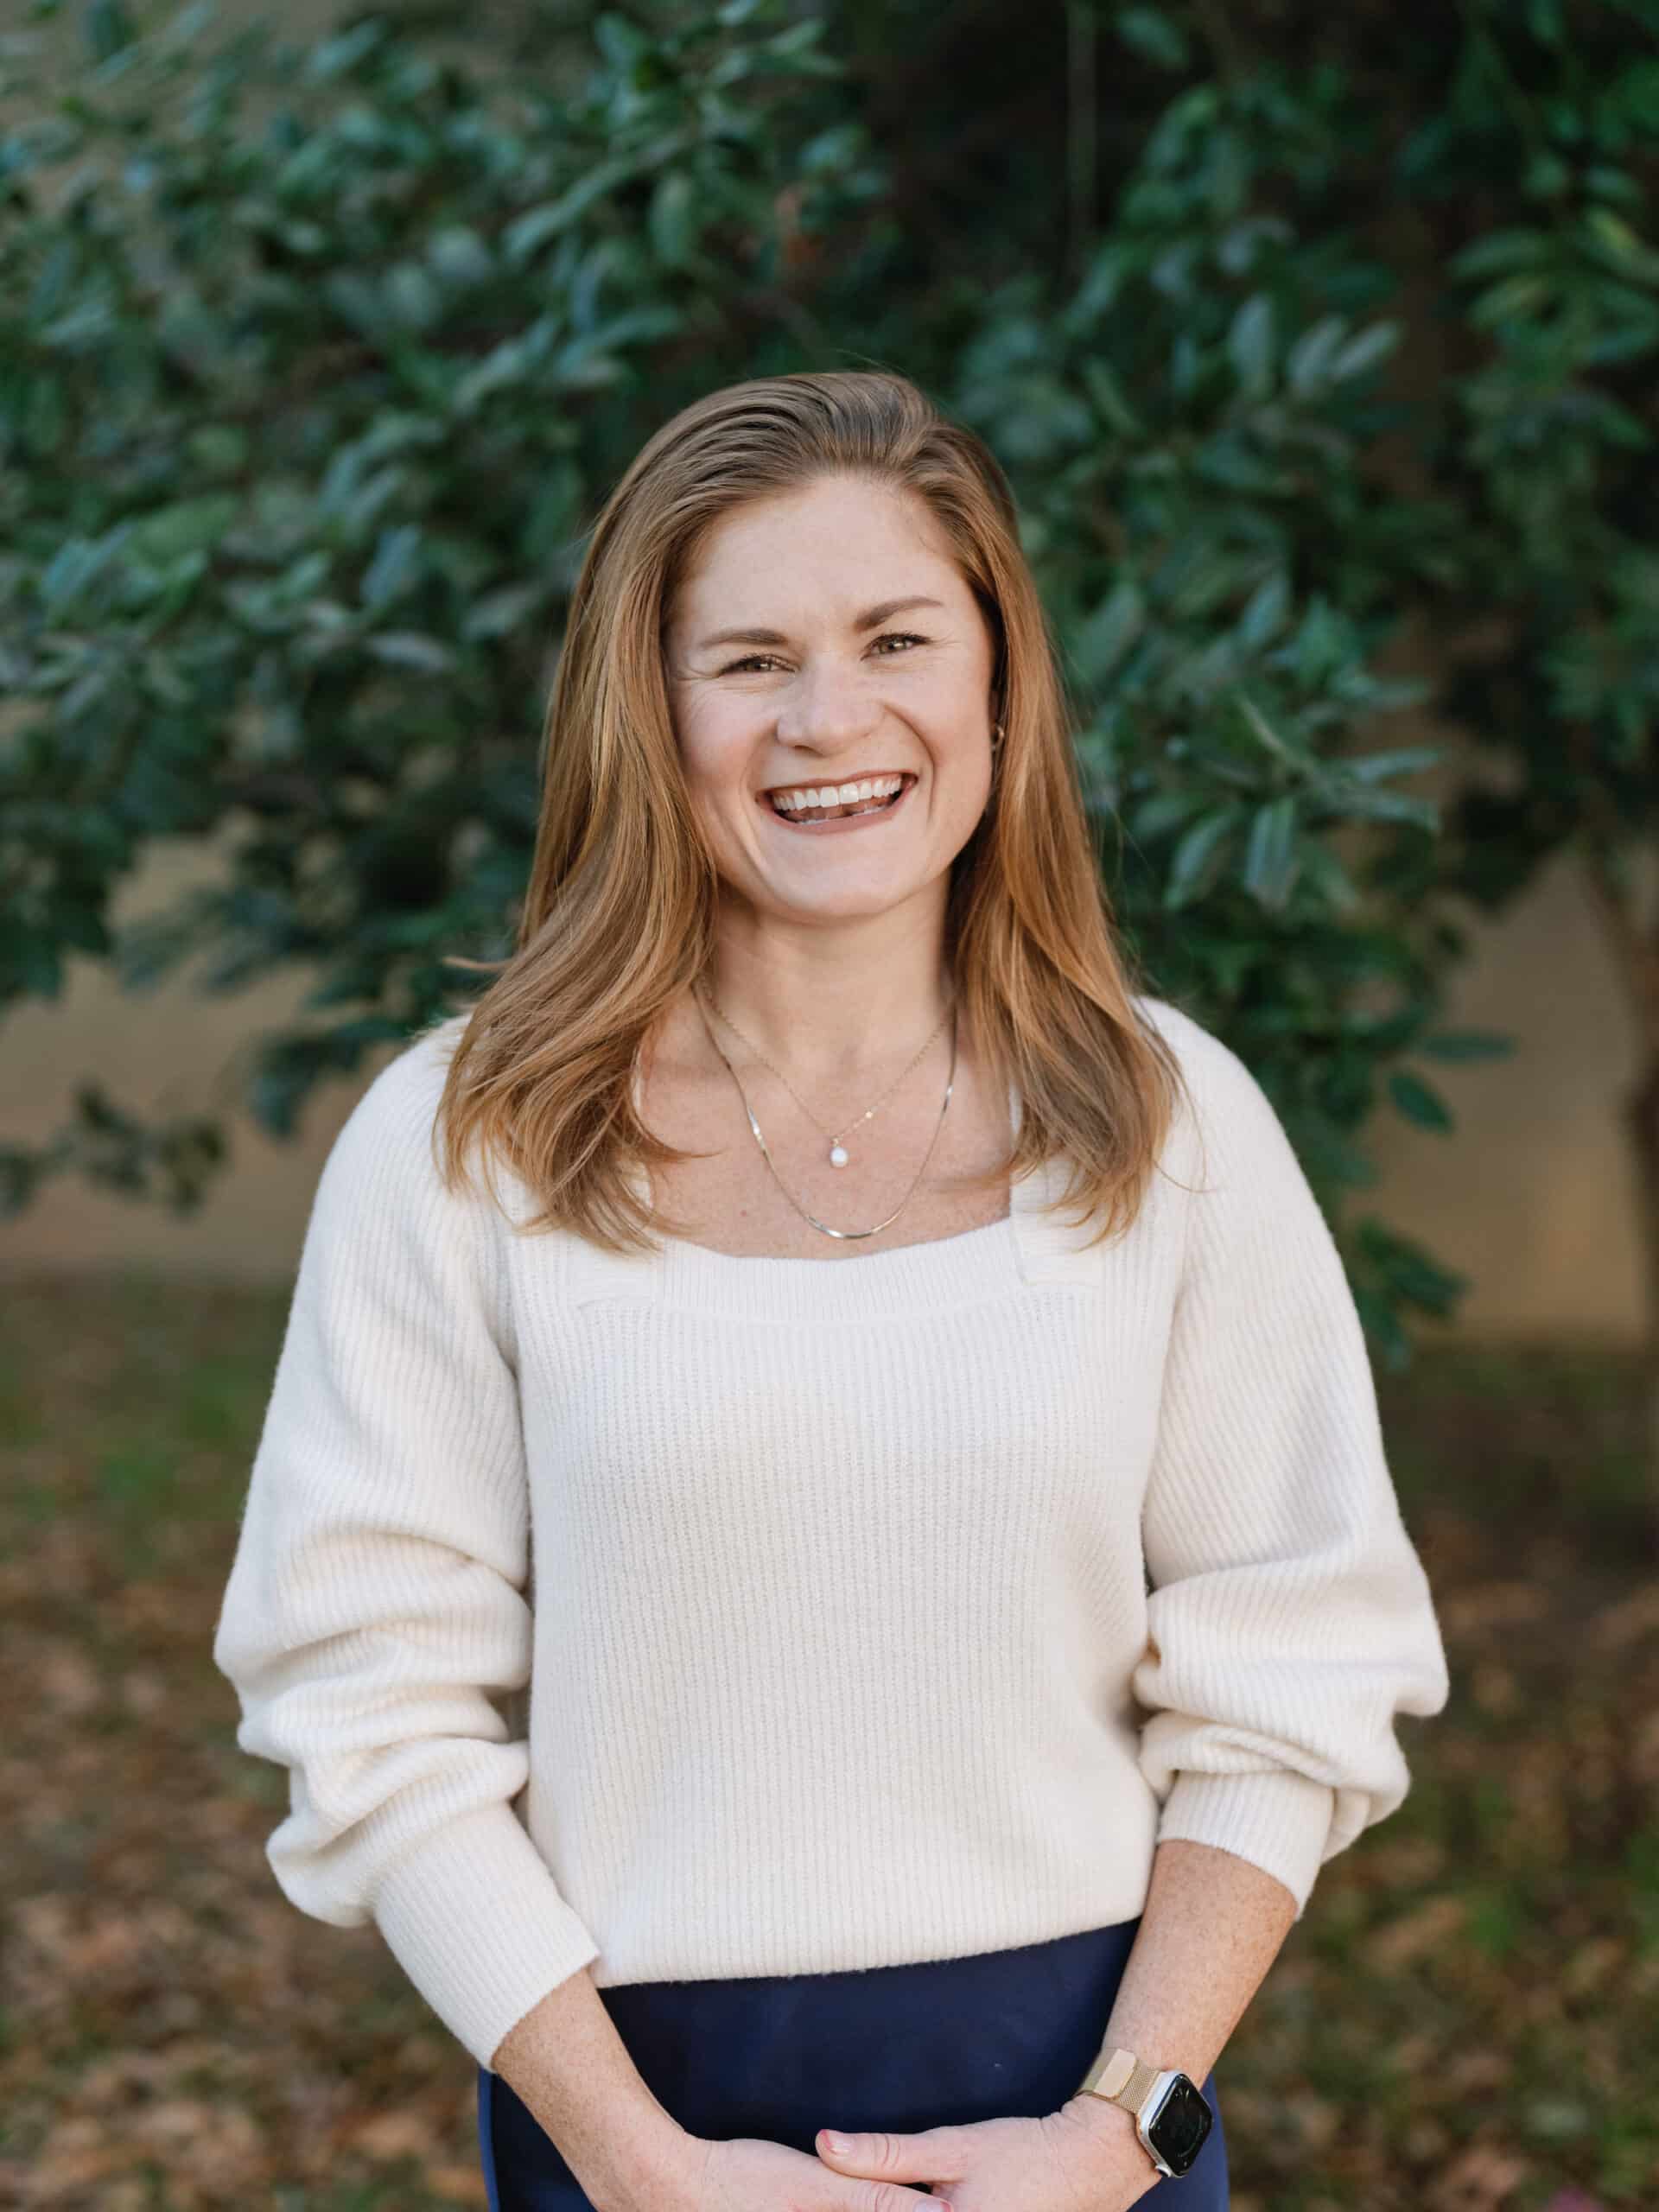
(170, 1053)
(1531, 1197)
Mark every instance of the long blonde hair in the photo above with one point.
(618, 917)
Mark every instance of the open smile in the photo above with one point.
(818, 822)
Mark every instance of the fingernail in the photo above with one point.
(841, 2145)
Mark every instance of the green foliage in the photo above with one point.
(316, 362)
(301, 418)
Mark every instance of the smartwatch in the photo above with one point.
(1172, 2114)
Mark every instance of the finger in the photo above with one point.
(889, 2158)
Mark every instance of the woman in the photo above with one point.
(895, 1404)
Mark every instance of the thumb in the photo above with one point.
(891, 2158)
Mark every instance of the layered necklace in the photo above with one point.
(838, 1155)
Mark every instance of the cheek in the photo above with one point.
(717, 771)
(706, 749)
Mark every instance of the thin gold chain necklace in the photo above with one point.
(839, 1155)
(850, 1236)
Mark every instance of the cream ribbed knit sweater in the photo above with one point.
(870, 1610)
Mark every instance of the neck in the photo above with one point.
(821, 1016)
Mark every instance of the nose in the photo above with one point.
(828, 707)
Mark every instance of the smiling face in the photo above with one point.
(864, 657)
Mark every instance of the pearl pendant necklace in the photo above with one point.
(839, 1155)
(844, 1236)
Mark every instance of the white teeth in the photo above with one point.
(839, 794)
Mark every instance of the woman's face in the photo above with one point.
(864, 655)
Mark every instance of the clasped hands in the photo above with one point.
(1085, 2157)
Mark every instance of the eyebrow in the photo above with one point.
(870, 619)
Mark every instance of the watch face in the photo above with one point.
(1183, 2122)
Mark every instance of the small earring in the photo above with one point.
(998, 733)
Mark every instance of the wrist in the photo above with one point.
(1101, 2121)
(657, 2165)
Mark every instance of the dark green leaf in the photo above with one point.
(1417, 1102)
(1468, 1045)
(1271, 857)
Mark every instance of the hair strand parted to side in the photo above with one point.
(618, 917)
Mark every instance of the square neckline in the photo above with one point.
(1032, 1245)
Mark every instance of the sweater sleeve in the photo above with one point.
(1289, 1618)
(377, 1603)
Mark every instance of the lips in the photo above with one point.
(832, 825)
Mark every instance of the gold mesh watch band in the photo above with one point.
(1122, 2079)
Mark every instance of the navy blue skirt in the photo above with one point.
(996, 2035)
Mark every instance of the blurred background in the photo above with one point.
(1319, 349)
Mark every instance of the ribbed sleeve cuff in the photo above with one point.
(476, 1921)
(1279, 1821)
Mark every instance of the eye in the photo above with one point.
(887, 637)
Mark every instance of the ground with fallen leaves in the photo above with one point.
(1466, 2019)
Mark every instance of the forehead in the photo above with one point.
(832, 547)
